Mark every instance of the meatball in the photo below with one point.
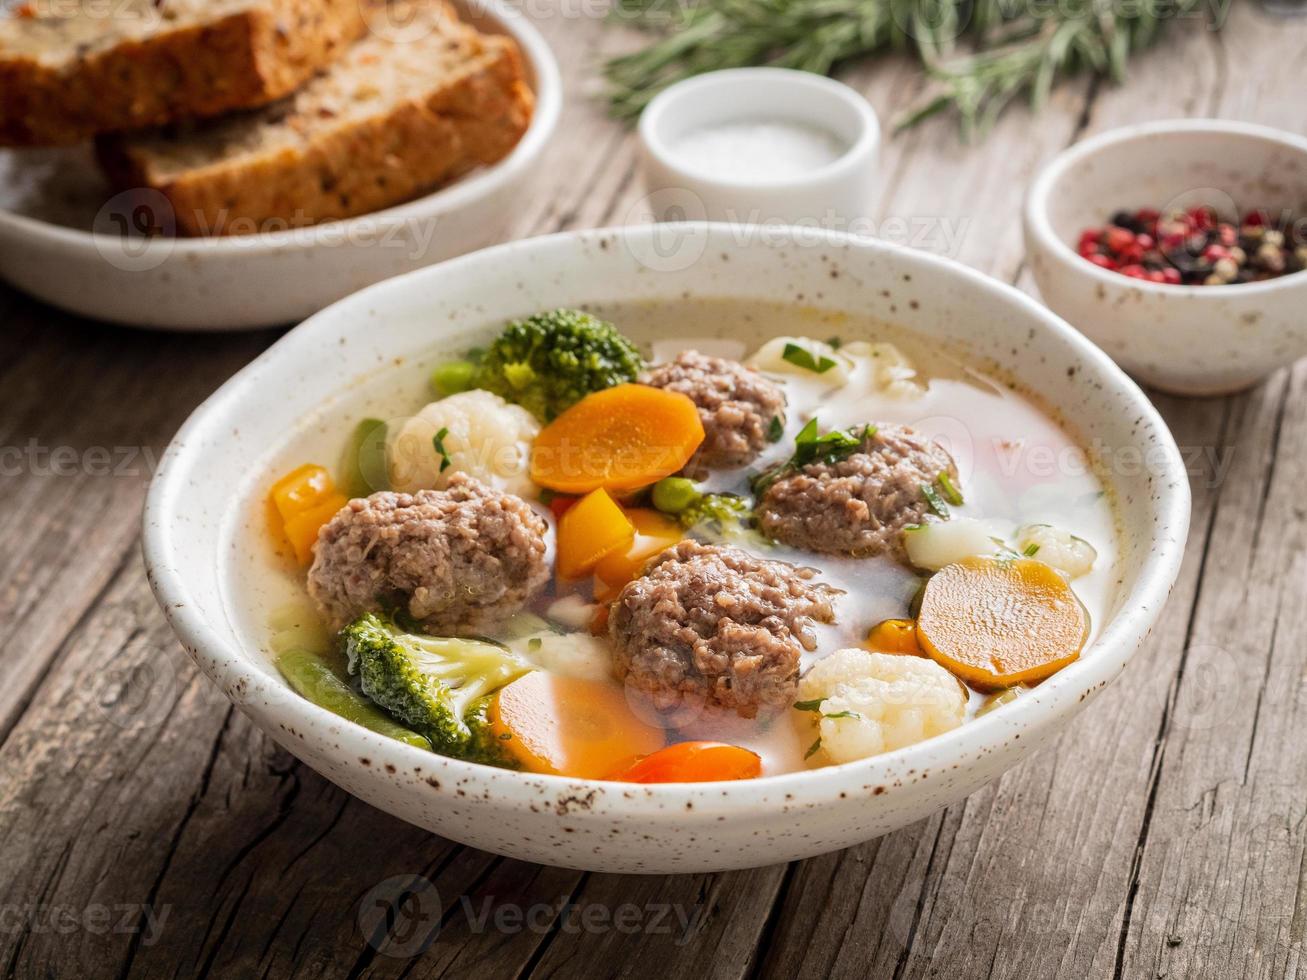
(708, 625)
(858, 505)
(454, 559)
(738, 406)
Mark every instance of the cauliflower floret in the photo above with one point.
(1068, 554)
(877, 702)
(888, 370)
(835, 368)
(891, 372)
(571, 654)
(484, 437)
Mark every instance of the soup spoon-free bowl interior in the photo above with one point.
(219, 462)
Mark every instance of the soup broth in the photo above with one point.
(1017, 466)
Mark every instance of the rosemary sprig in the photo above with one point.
(979, 55)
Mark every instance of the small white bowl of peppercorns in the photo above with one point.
(1180, 248)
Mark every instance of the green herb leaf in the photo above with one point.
(810, 448)
(950, 491)
(843, 714)
(936, 501)
(802, 357)
(979, 56)
(1031, 550)
(812, 750)
(439, 442)
(775, 429)
(814, 705)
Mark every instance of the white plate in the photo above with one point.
(216, 470)
(62, 240)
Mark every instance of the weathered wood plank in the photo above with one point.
(85, 411)
(1220, 884)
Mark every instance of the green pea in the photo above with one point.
(673, 494)
(452, 377)
(316, 680)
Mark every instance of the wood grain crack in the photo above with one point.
(215, 750)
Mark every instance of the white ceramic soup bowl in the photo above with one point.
(219, 466)
(1191, 340)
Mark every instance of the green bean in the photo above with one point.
(313, 678)
(452, 377)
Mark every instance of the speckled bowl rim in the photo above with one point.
(1040, 712)
(1048, 180)
(547, 87)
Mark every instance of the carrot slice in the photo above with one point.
(1000, 622)
(693, 762)
(894, 636)
(620, 438)
(655, 532)
(592, 528)
(569, 726)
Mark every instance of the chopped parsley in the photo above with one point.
(935, 499)
(535, 643)
(803, 358)
(812, 750)
(815, 705)
(950, 491)
(810, 448)
(439, 442)
(775, 429)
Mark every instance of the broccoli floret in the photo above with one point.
(549, 362)
(719, 513)
(483, 745)
(714, 516)
(439, 686)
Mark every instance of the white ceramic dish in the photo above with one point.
(1196, 340)
(61, 232)
(836, 194)
(217, 469)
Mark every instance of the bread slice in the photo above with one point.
(72, 68)
(402, 112)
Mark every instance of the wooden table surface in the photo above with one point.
(147, 829)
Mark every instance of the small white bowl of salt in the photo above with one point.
(760, 146)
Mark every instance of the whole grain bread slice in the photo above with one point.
(402, 112)
(70, 69)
